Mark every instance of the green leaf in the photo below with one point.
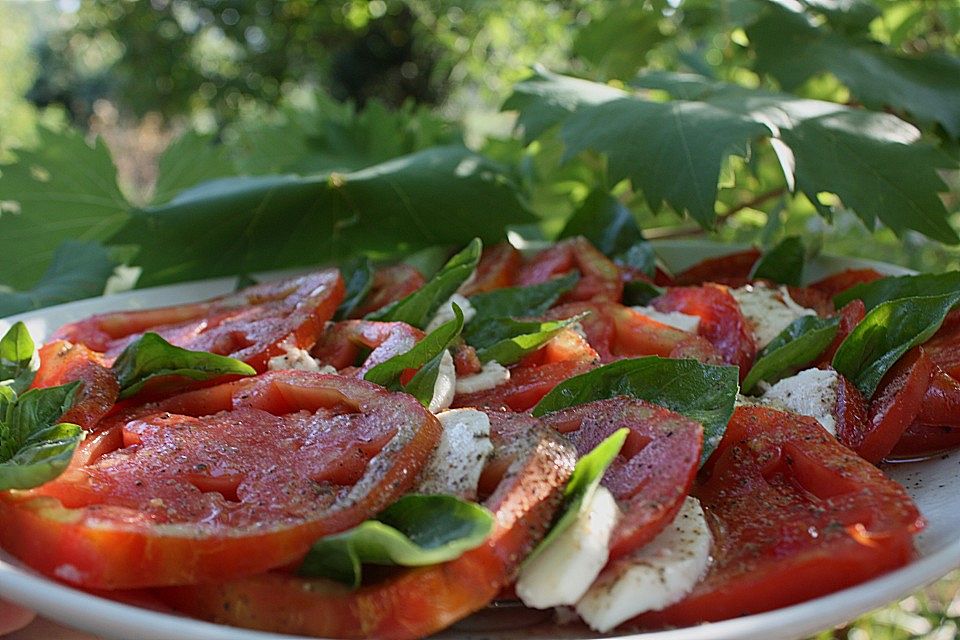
(886, 333)
(415, 531)
(191, 159)
(65, 190)
(583, 483)
(152, 357)
(507, 340)
(418, 308)
(425, 356)
(18, 361)
(34, 447)
(701, 392)
(441, 196)
(783, 263)
(640, 293)
(640, 256)
(358, 274)
(616, 44)
(798, 344)
(605, 222)
(516, 302)
(893, 288)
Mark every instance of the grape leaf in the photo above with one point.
(616, 44)
(191, 159)
(65, 190)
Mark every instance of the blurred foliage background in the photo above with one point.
(186, 90)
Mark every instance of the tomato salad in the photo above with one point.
(368, 452)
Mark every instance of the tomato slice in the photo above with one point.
(62, 362)
(389, 285)
(732, 270)
(721, 321)
(417, 602)
(599, 277)
(812, 299)
(837, 283)
(944, 347)
(249, 325)
(795, 515)
(346, 342)
(653, 472)
(937, 427)
(198, 493)
(498, 268)
(850, 316)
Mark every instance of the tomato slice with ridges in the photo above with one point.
(599, 276)
(937, 427)
(62, 362)
(732, 270)
(346, 341)
(222, 495)
(837, 283)
(653, 472)
(795, 515)
(389, 285)
(417, 602)
(497, 269)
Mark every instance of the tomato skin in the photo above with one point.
(389, 285)
(416, 602)
(497, 269)
(944, 347)
(653, 472)
(937, 427)
(732, 270)
(850, 316)
(599, 277)
(837, 283)
(101, 526)
(812, 299)
(721, 321)
(62, 362)
(795, 515)
(923, 441)
(851, 411)
(344, 342)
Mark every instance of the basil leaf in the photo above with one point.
(418, 308)
(894, 288)
(887, 332)
(34, 447)
(151, 357)
(782, 264)
(702, 392)
(605, 222)
(244, 280)
(639, 256)
(516, 302)
(583, 482)
(640, 293)
(18, 361)
(416, 530)
(358, 276)
(425, 356)
(802, 341)
(507, 341)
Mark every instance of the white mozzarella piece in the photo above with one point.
(446, 385)
(445, 312)
(654, 576)
(812, 392)
(675, 319)
(562, 572)
(768, 311)
(492, 375)
(464, 448)
(299, 360)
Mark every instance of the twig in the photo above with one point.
(752, 203)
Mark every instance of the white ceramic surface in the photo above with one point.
(934, 485)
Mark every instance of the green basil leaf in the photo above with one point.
(151, 357)
(887, 332)
(507, 340)
(516, 302)
(18, 362)
(782, 264)
(425, 356)
(702, 392)
(894, 288)
(640, 293)
(34, 447)
(418, 308)
(415, 531)
(244, 280)
(802, 341)
(583, 482)
(605, 222)
(358, 274)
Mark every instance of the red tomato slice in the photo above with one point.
(812, 299)
(498, 268)
(417, 602)
(616, 332)
(249, 325)
(837, 283)
(204, 494)
(721, 321)
(944, 347)
(347, 341)
(921, 441)
(389, 285)
(653, 472)
(850, 316)
(62, 362)
(937, 427)
(599, 277)
(795, 515)
(732, 270)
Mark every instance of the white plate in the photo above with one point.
(933, 484)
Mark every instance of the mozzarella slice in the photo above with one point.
(654, 576)
(456, 463)
(490, 376)
(446, 385)
(769, 311)
(445, 312)
(812, 392)
(562, 572)
(299, 360)
(674, 319)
